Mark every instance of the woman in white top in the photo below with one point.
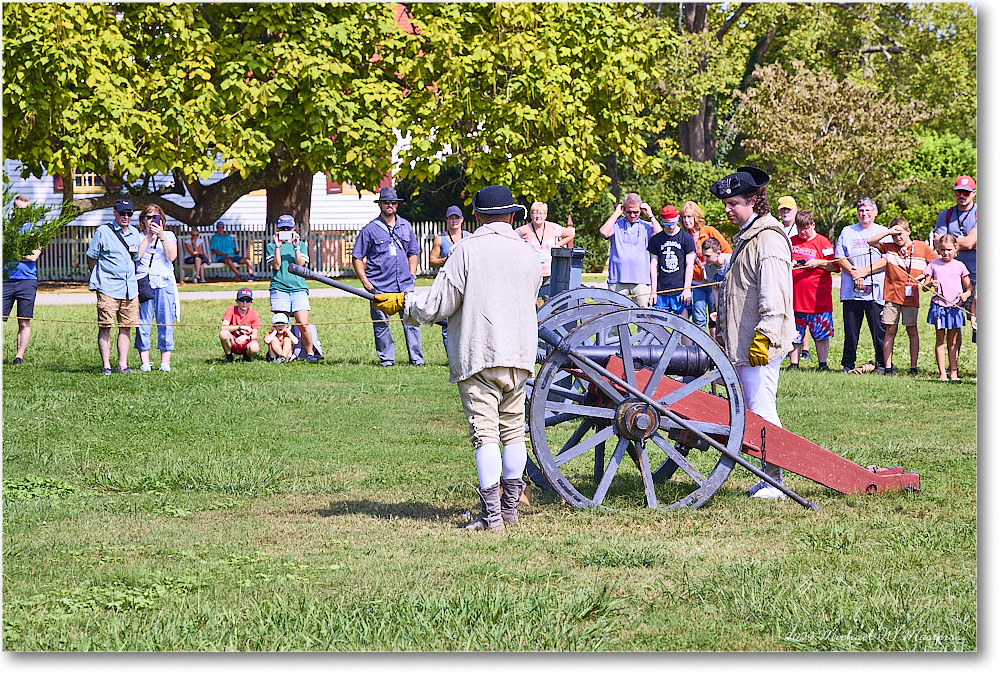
(543, 236)
(157, 252)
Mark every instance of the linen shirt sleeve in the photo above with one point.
(443, 300)
(775, 284)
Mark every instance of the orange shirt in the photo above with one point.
(704, 232)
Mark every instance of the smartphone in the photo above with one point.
(155, 219)
(285, 235)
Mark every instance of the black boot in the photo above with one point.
(512, 490)
(490, 518)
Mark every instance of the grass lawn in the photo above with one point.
(252, 506)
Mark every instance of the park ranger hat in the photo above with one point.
(746, 180)
(496, 199)
(388, 194)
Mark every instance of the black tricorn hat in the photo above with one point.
(495, 199)
(746, 180)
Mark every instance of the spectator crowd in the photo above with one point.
(675, 262)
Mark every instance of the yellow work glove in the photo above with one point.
(758, 350)
(390, 303)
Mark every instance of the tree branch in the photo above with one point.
(721, 33)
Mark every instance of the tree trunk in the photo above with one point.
(616, 189)
(293, 197)
(697, 135)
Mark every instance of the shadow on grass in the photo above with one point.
(389, 511)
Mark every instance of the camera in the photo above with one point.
(285, 235)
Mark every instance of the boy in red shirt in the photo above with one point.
(239, 328)
(812, 289)
(904, 261)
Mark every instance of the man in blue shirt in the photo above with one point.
(224, 247)
(22, 286)
(112, 256)
(385, 260)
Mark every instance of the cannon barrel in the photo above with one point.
(685, 361)
(307, 273)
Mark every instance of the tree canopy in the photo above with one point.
(158, 96)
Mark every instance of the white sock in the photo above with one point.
(515, 456)
(488, 464)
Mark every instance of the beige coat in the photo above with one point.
(487, 290)
(756, 295)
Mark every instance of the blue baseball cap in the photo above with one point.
(286, 221)
(453, 211)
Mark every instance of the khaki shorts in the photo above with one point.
(893, 313)
(638, 292)
(109, 309)
(493, 400)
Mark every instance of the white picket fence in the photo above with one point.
(330, 246)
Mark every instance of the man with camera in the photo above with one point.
(112, 255)
(289, 292)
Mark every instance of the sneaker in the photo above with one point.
(769, 492)
(247, 357)
(252, 277)
(106, 371)
(823, 368)
(17, 361)
(126, 370)
(311, 358)
(243, 277)
(845, 369)
(761, 484)
(229, 358)
(146, 367)
(165, 367)
(805, 355)
(792, 366)
(280, 359)
(913, 371)
(889, 371)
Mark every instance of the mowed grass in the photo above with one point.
(252, 506)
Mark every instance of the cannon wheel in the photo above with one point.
(582, 295)
(562, 313)
(569, 452)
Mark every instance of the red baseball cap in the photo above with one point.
(965, 183)
(668, 212)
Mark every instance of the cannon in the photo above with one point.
(615, 381)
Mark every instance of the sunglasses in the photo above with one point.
(125, 213)
(244, 300)
(963, 192)
(390, 202)
(633, 213)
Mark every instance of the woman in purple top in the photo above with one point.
(628, 261)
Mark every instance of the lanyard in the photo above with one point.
(535, 232)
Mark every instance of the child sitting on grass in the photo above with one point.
(280, 340)
(949, 279)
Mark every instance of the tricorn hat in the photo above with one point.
(495, 199)
(746, 180)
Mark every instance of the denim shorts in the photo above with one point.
(283, 301)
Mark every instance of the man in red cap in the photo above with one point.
(960, 221)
